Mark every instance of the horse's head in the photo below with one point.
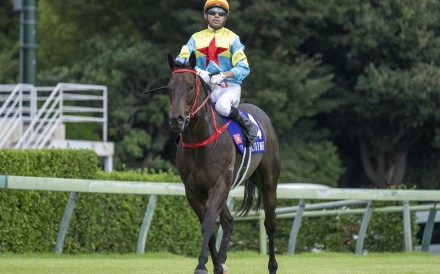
(184, 90)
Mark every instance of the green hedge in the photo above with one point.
(100, 222)
(335, 233)
(110, 223)
(29, 219)
(58, 163)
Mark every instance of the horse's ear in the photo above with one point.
(192, 60)
(171, 61)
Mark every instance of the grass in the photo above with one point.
(238, 263)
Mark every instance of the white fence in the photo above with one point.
(35, 117)
(299, 192)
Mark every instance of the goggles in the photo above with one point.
(213, 11)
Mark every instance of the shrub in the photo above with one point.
(30, 218)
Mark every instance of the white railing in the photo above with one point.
(14, 100)
(35, 117)
(32, 117)
(43, 124)
(285, 191)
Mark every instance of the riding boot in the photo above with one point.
(251, 130)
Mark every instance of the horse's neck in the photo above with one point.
(202, 125)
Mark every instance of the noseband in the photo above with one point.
(194, 110)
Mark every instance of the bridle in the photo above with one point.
(194, 109)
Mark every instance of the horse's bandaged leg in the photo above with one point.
(225, 269)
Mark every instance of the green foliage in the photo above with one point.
(83, 131)
(141, 175)
(338, 233)
(311, 162)
(9, 43)
(49, 163)
(105, 223)
(138, 124)
(333, 233)
(30, 218)
(423, 167)
(174, 229)
(355, 68)
(412, 100)
(109, 223)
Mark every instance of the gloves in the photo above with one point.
(203, 74)
(217, 79)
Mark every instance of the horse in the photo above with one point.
(208, 160)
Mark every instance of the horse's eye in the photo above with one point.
(191, 86)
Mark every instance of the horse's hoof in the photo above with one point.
(200, 271)
(225, 269)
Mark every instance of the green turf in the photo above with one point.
(238, 263)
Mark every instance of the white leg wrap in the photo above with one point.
(225, 269)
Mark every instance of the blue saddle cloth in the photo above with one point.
(238, 137)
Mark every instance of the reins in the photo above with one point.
(192, 112)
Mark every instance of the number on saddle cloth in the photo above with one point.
(238, 137)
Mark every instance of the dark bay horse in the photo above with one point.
(207, 161)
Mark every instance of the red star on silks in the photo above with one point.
(212, 52)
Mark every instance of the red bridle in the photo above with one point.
(192, 112)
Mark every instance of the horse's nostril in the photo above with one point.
(177, 122)
(180, 120)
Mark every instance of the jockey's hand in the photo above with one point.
(203, 74)
(217, 79)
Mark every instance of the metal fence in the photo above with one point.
(34, 117)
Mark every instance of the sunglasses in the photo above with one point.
(213, 13)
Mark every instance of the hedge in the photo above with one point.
(334, 233)
(110, 223)
(29, 219)
(101, 222)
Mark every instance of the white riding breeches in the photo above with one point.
(225, 97)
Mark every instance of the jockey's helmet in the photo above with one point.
(223, 4)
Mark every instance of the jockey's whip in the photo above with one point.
(152, 90)
(143, 91)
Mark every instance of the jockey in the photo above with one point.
(219, 50)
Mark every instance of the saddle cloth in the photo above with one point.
(239, 138)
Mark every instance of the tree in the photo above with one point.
(9, 43)
(116, 44)
(389, 76)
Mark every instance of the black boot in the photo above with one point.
(251, 130)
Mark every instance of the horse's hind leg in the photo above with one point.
(227, 223)
(269, 203)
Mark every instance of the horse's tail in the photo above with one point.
(248, 199)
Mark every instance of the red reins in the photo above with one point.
(192, 112)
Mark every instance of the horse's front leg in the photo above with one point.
(208, 241)
(207, 217)
(215, 203)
